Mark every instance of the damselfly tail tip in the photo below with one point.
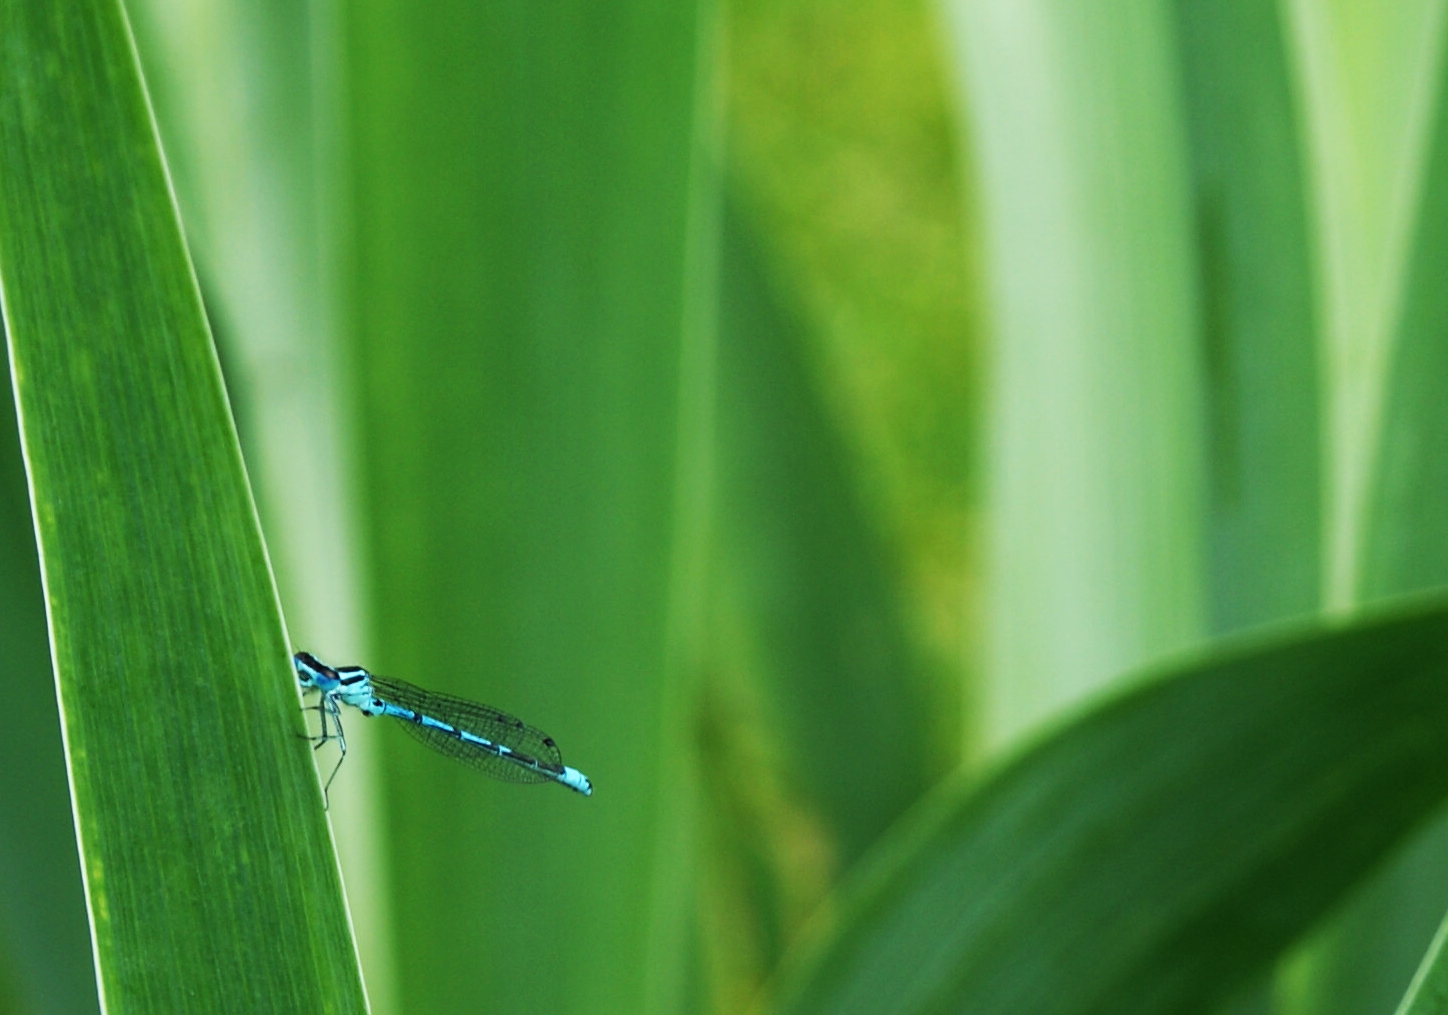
(576, 780)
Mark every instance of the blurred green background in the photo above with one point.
(790, 405)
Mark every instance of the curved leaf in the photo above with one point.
(1159, 853)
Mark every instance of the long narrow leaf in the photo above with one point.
(1428, 993)
(1366, 959)
(43, 928)
(843, 679)
(845, 163)
(1096, 460)
(209, 875)
(1258, 331)
(1407, 538)
(523, 217)
(1160, 853)
(255, 169)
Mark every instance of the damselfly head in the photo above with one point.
(312, 672)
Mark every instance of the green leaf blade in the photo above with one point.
(42, 911)
(1407, 540)
(523, 297)
(1428, 993)
(1364, 960)
(1095, 376)
(210, 879)
(1257, 319)
(1159, 854)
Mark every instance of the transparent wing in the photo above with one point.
(481, 721)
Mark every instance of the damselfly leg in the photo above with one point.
(328, 706)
